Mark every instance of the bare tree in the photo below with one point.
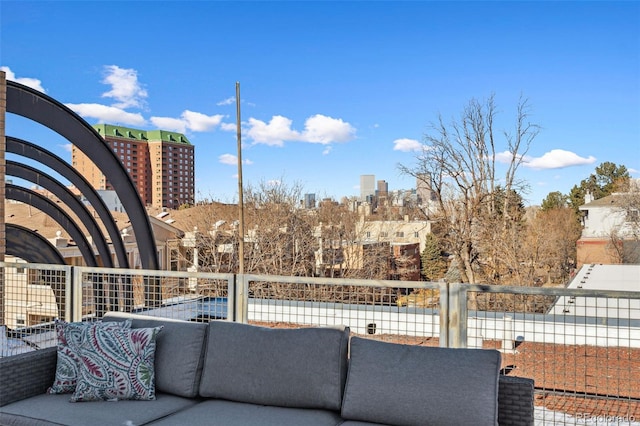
(550, 244)
(280, 237)
(461, 159)
(624, 238)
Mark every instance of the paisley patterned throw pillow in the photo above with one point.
(69, 338)
(117, 364)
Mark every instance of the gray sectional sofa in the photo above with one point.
(223, 373)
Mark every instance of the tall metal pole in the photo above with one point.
(240, 200)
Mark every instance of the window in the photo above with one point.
(633, 215)
(400, 234)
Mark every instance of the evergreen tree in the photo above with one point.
(554, 200)
(607, 179)
(433, 265)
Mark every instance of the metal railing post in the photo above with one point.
(457, 316)
(76, 294)
(242, 298)
(68, 294)
(444, 315)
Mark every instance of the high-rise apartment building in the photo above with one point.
(160, 163)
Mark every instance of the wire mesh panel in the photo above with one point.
(582, 348)
(399, 311)
(179, 295)
(32, 297)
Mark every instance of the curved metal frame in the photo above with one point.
(30, 103)
(27, 149)
(47, 182)
(21, 241)
(36, 200)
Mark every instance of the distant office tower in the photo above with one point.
(423, 189)
(367, 186)
(309, 201)
(383, 188)
(160, 163)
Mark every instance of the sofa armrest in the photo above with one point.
(26, 375)
(515, 401)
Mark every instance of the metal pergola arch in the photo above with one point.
(22, 240)
(34, 105)
(33, 175)
(30, 150)
(20, 243)
(27, 196)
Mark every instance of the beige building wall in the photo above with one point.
(157, 165)
(88, 169)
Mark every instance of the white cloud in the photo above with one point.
(407, 145)
(169, 123)
(227, 101)
(228, 159)
(557, 159)
(318, 129)
(125, 88)
(275, 133)
(67, 147)
(34, 83)
(504, 157)
(322, 129)
(107, 114)
(199, 122)
(327, 150)
(232, 160)
(229, 127)
(189, 120)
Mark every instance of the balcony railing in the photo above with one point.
(582, 347)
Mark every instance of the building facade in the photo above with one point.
(160, 163)
(610, 231)
(367, 187)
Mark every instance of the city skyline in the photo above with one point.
(331, 91)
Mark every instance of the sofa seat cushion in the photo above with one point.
(179, 352)
(417, 385)
(302, 368)
(49, 409)
(228, 413)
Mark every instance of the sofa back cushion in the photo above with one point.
(416, 385)
(179, 352)
(303, 367)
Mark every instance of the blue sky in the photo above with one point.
(333, 90)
